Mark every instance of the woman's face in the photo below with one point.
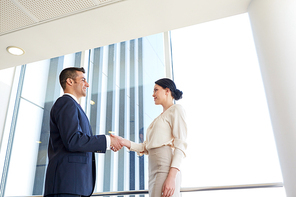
(159, 95)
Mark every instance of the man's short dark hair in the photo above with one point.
(71, 73)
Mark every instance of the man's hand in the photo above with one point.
(122, 141)
(115, 143)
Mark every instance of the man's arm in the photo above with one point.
(74, 138)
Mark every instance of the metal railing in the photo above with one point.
(194, 189)
(188, 189)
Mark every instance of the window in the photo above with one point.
(230, 138)
(121, 78)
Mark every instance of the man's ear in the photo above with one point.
(69, 81)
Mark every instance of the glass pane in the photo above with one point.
(34, 87)
(230, 138)
(24, 151)
(121, 96)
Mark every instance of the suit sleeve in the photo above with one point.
(75, 130)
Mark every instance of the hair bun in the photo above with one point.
(177, 94)
(168, 83)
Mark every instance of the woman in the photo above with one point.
(165, 142)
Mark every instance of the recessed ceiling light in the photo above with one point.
(15, 50)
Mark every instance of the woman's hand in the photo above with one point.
(125, 143)
(169, 185)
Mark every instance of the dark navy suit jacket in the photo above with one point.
(71, 167)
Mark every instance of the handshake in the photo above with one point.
(118, 142)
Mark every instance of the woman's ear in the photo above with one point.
(167, 91)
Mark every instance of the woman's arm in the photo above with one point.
(125, 142)
(179, 132)
(140, 148)
(169, 185)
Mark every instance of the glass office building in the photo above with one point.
(121, 78)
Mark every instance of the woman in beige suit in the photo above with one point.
(165, 142)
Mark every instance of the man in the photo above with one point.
(71, 167)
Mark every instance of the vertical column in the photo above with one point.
(273, 23)
(82, 60)
(168, 54)
(122, 117)
(132, 112)
(97, 109)
(114, 184)
(96, 90)
(141, 111)
(123, 179)
(136, 103)
(127, 118)
(109, 118)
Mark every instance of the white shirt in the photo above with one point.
(169, 128)
(108, 140)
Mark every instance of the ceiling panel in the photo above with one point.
(51, 28)
(48, 9)
(12, 17)
(20, 14)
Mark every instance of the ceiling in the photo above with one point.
(51, 28)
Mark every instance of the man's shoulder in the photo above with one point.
(64, 101)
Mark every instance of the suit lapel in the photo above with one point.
(81, 111)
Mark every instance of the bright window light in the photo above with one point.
(230, 137)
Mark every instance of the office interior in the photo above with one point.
(124, 45)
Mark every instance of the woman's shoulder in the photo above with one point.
(177, 112)
(177, 108)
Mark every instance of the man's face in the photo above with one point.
(80, 85)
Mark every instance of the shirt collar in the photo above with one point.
(72, 97)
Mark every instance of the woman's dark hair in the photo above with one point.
(168, 83)
(69, 73)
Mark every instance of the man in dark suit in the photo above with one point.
(71, 167)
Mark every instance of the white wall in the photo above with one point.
(273, 24)
(6, 79)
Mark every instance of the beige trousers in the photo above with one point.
(159, 165)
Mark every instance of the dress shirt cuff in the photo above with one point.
(108, 142)
(177, 159)
(139, 148)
